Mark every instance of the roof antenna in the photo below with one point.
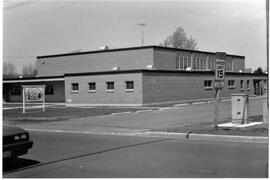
(142, 26)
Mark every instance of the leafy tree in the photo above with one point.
(179, 39)
(259, 70)
(29, 70)
(9, 70)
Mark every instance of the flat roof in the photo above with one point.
(62, 78)
(158, 71)
(131, 48)
(34, 79)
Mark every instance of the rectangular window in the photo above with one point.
(248, 85)
(110, 86)
(185, 62)
(181, 63)
(231, 84)
(204, 64)
(74, 87)
(189, 62)
(201, 63)
(129, 85)
(208, 84)
(194, 63)
(242, 84)
(209, 63)
(92, 87)
(49, 90)
(228, 65)
(198, 63)
(15, 91)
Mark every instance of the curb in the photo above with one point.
(121, 113)
(143, 111)
(208, 137)
(168, 108)
(229, 138)
(187, 136)
(179, 105)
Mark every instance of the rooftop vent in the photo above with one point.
(104, 48)
(117, 68)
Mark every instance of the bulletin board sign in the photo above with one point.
(33, 93)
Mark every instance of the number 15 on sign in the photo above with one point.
(220, 70)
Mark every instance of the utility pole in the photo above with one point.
(142, 26)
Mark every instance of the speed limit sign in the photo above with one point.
(219, 73)
(220, 70)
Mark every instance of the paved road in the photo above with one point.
(137, 122)
(76, 155)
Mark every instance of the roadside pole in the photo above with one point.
(219, 82)
(43, 93)
(216, 107)
(23, 101)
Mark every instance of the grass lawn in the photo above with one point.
(208, 128)
(60, 113)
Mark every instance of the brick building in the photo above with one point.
(135, 76)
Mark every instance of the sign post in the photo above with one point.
(219, 82)
(34, 93)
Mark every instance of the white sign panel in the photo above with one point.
(220, 70)
(33, 94)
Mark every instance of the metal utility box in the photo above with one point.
(240, 108)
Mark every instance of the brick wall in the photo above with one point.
(238, 64)
(102, 61)
(101, 96)
(165, 59)
(166, 87)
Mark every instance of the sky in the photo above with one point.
(44, 27)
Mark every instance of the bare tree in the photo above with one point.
(179, 39)
(9, 70)
(29, 70)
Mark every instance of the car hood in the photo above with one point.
(11, 130)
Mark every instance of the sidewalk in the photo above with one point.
(84, 126)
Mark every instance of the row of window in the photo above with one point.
(197, 63)
(231, 84)
(17, 90)
(109, 86)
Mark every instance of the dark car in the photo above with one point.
(16, 141)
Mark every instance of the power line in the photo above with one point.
(18, 57)
(20, 4)
(41, 13)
